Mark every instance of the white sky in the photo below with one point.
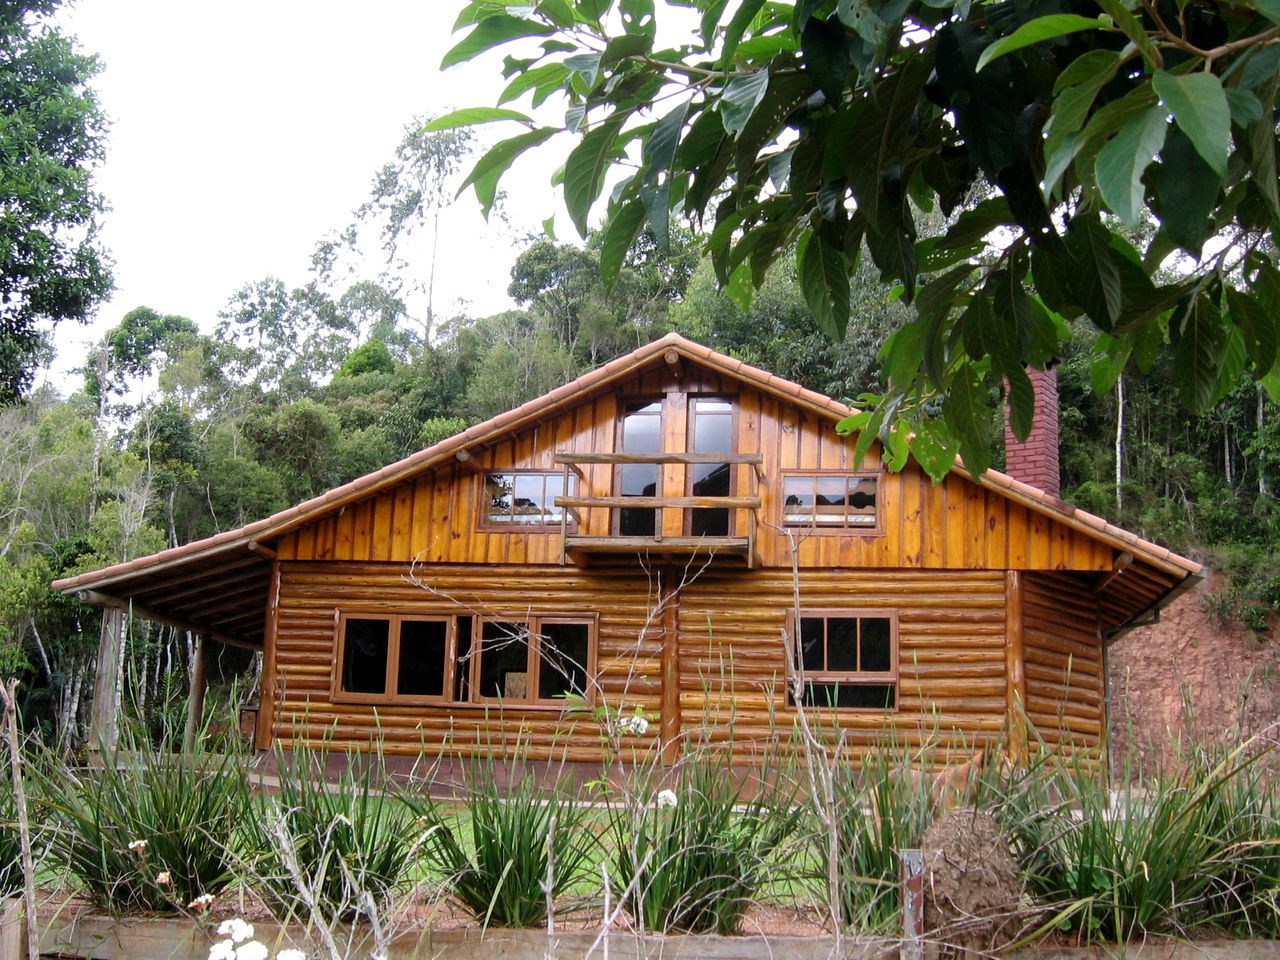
(244, 131)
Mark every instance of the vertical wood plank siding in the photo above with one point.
(1062, 648)
(731, 670)
(955, 525)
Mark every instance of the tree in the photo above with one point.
(51, 267)
(1038, 129)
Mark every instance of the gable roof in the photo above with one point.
(241, 554)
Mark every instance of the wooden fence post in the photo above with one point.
(13, 944)
(912, 873)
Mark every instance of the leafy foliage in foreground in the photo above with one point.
(509, 848)
(697, 863)
(151, 831)
(818, 125)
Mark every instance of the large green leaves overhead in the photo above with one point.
(1044, 132)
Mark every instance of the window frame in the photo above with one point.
(626, 406)
(533, 653)
(691, 407)
(484, 521)
(844, 529)
(389, 695)
(862, 678)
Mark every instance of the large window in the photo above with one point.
(523, 498)
(847, 659)
(830, 501)
(385, 658)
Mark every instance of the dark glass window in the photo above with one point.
(712, 432)
(847, 661)
(364, 655)
(504, 660)
(424, 647)
(641, 433)
(562, 666)
(815, 500)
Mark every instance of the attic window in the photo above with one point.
(830, 501)
(847, 659)
(521, 498)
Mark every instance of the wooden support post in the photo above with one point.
(669, 727)
(13, 938)
(1015, 668)
(268, 696)
(104, 725)
(195, 696)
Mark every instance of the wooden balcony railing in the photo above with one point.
(574, 546)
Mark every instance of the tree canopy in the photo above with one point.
(1074, 147)
(51, 267)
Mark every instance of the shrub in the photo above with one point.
(508, 850)
(341, 849)
(152, 831)
(693, 857)
(10, 844)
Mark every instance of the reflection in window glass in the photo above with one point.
(563, 660)
(524, 498)
(829, 501)
(504, 660)
(847, 661)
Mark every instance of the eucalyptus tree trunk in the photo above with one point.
(1260, 422)
(1120, 443)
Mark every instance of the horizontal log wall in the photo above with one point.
(957, 524)
(1064, 663)
(730, 655)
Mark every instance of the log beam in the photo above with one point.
(95, 599)
(1015, 668)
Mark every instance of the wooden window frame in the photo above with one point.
(831, 529)
(691, 403)
(861, 678)
(338, 695)
(533, 624)
(484, 523)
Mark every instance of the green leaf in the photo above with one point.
(1009, 329)
(619, 233)
(1121, 163)
(657, 207)
(1198, 352)
(1187, 190)
(492, 32)
(824, 280)
(585, 65)
(1261, 137)
(490, 167)
(740, 289)
(746, 12)
(1022, 402)
(824, 50)
(902, 354)
(740, 99)
(968, 414)
(1258, 327)
(660, 147)
(1095, 280)
(1037, 31)
(858, 16)
(1199, 107)
(549, 227)
(1132, 28)
(1105, 370)
(584, 171)
(543, 80)
(473, 115)
(933, 450)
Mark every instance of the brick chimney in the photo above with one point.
(1035, 461)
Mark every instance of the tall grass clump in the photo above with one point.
(332, 846)
(10, 840)
(508, 851)
(694, 856)
(881, 807)
(150, 829)
(1161, 855)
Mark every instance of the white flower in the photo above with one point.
(222, 950)
(202, 902)
(291, 954)
(636, 723)
(163, 878)
(137, 846)
(667, 799)
(253, 950)
(236, 929)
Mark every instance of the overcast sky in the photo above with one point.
(242, 132)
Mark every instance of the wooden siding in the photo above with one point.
(729, 666)
(955, 525)
(1064, 666)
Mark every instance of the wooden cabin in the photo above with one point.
(664, 532)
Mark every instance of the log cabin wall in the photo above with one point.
(730, 667)
(1063, 653)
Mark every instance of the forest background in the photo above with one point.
(172, 434)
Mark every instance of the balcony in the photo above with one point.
(581, 547)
